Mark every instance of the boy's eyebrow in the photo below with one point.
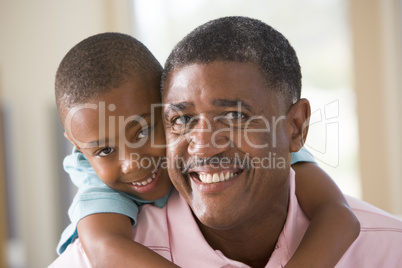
(93, 144)
(135, 122)
(177, 107)
(128, 125)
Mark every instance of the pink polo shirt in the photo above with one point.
(173, 233)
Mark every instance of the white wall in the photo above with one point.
(34, 36)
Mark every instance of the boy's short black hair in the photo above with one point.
(100, 63)
(241, 39)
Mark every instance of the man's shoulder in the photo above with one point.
(73, 256)
(380, 239)
(373, 218)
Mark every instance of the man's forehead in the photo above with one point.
(220, 78)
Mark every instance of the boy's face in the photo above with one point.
(123, 139)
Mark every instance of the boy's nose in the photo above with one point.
(127, 167)
(130, 162)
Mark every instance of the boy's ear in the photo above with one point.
(298, 122)
(71, 140)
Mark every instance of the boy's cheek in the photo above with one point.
(103, 171)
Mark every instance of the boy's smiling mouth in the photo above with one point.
(147, 184)
(146, 181)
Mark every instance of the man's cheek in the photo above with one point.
(176, 145)
(170, 141)
(251, 141)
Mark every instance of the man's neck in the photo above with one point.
(253, 241)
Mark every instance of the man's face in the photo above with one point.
(224, 114)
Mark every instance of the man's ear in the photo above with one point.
(71, 140)
(298, 119)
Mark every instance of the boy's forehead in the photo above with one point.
(127, 102)
(133, 93)
(130, 86)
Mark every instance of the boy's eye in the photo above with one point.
(105, 151)
(145, 132)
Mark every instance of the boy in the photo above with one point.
(105, 87)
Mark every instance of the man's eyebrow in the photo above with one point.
(177, 107)
(231, 103)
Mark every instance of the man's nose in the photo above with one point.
(206, 139)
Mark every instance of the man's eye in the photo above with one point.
(234, 115)
(181, 120)
(105, 151)
(181, 124)
(145, 132)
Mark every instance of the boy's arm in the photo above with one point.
(108, 242)
(102, 217)
(333, 226)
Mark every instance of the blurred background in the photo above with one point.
(350, 53)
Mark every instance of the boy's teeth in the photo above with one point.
(143, 183)
(216, 177)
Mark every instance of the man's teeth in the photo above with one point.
(143, 183)
(217, 177)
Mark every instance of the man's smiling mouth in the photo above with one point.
(215, 177)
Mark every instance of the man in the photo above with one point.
(231, 90)
(233, 114)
